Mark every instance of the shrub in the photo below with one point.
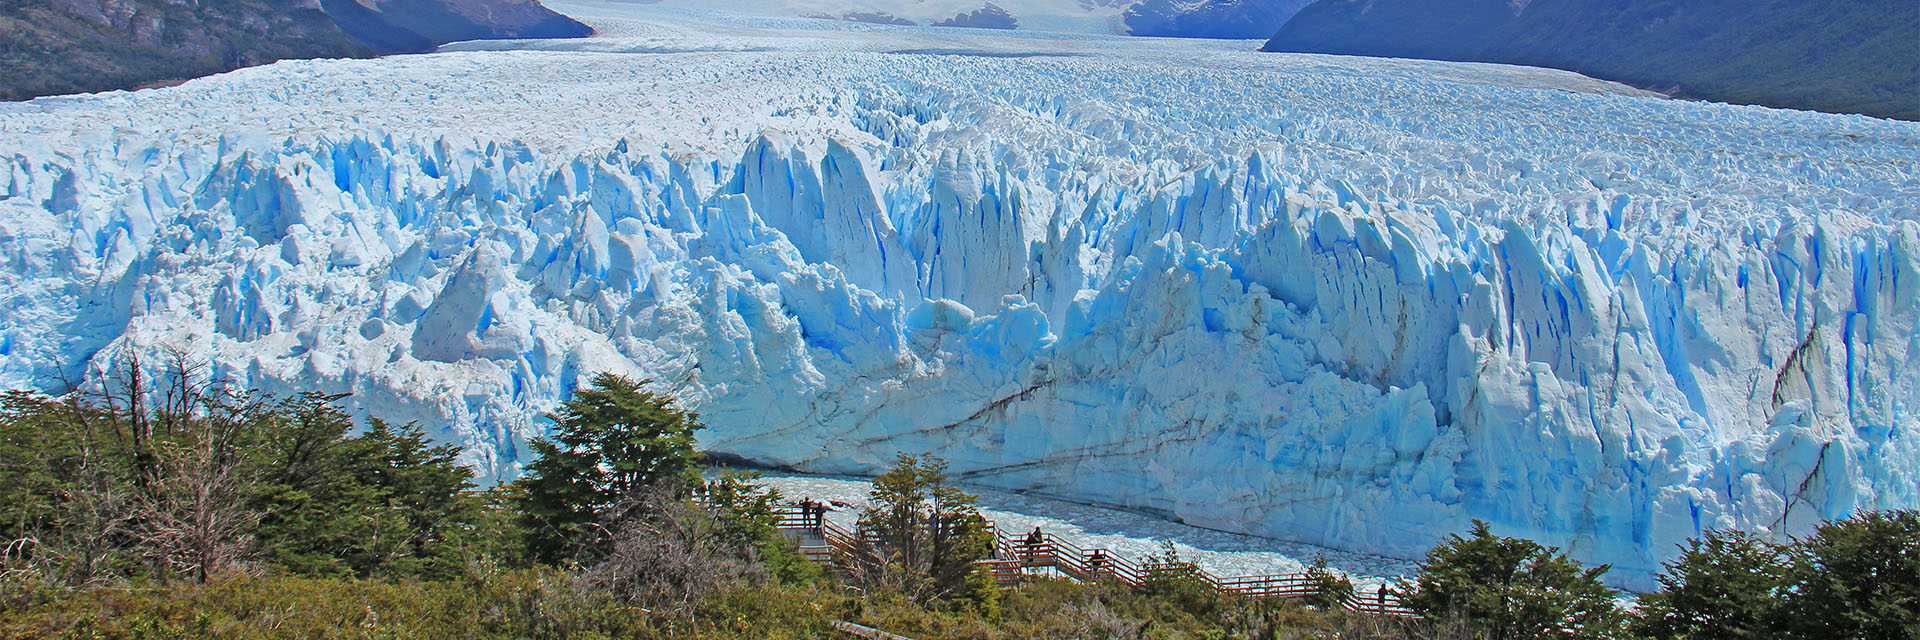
(187, 480)
(1513, 588)
(1859, 578)
(609, 441)
(665, 551)
(1726, 586)
(383, 503)
(1330, 590)
(528, 604)
(921, 537)
(1180, 583)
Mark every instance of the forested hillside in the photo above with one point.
(52, 47)
(72, 46)
(1856, 56)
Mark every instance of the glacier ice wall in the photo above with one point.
(1251, 301)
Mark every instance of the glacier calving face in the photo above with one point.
(1340, 301)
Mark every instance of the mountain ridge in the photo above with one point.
(55, 47)
(1861, 56)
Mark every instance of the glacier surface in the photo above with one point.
(1341, 301)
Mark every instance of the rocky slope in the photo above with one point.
(72, 46)
(988, 16)
(51, 47)
(409, 26)
(1860, 56)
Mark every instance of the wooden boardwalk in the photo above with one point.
(1018, 557)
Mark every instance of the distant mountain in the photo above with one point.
(990, 16)
(869, 17)
(70, 46)
(413, 26)
(1852, 56)
(1241, 19)
(51, 47)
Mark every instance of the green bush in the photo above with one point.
(1330, 591)
(1726, 586)
(187, 481)
(1508, 588)
(922, 536)
(1858, 578)
(610, 441)
(1180, 583)
(383, 503)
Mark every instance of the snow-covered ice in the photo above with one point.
(1340, 301)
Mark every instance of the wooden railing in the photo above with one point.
(1016, 556)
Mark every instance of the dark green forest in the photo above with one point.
(57, 48)
(1852, 56)
(82, 46)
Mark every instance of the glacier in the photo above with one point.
(1340, 301)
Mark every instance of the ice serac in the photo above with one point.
(1289, 320)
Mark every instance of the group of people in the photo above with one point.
(813, 514)
(1036, 542)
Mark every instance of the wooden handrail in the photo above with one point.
(1013, 554)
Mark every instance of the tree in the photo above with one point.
(66, 500)
(188, 479)
(1859, 578)
(749, 522)
(383, 503)
(1180, 583)
(663, 550)
(192, 516)
(609, 441)
(189, 440)
(1725, 586)
(1331, 591)
(922, 536)
(1512, 588)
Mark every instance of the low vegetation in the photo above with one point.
(181, 510)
